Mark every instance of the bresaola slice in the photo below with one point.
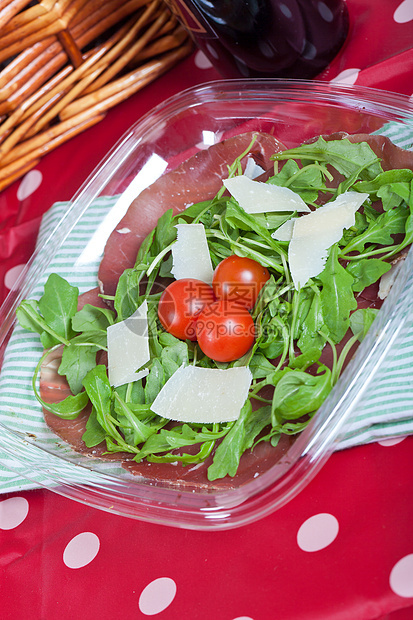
(199, 178)
(141, 218)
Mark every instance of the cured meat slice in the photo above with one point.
(198, 178)
(174, 190)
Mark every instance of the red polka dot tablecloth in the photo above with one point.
(341, 550)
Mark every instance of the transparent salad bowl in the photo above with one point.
(293, 111)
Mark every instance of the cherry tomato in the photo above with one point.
(179, 304)
(225, 331)
(239, 279)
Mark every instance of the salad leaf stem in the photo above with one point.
(155, 262)
(68, 408)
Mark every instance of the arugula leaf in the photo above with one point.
(99, 391)
(391, 186)
(379, 231)
(76, 363)
(92, 318)
(254, 424)
(302, 302)
(69, 408)
(314, 323)
(336, 296)
(367, 271)
(173, 356)
(157, 448)
(298, 393)
(80, 356)
(228, 453)
(29, 318)
(408, 239)
(260, 366)
(58, 305)
(137, 421)
(310, 357)
(51, 316)
(144, 250)
(202, 212)
(360, 224)
(235, 216)
(154, 381)
(165, 232)
(345, 156)
(361, 320)
(155, 346)
(305, 181)
(127, 296)
(94, 433)
(274, 337)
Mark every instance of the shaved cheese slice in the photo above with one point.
(258, 197)
(285, 231)
(190, 254)
(204, 395)
(315, 233)
(128, 348)
(252, 169)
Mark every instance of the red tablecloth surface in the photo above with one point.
(341, 550)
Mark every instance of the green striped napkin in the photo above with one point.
(77, 260)
(385, 411)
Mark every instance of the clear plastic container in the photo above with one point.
(294, 111)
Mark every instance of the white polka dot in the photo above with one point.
(310, 51)
(286, 11)
(317, 532)
(404, 12)
(81, 550)
(13, 511)
(325, 12)
(401, 577)
(157, 596)
(201, 61)
(391, 442)
(30, 182)
(243, 618)
(348, 76)
(12, 275)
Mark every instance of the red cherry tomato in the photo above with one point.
(225, 331)
(239, 279)
(179, 304)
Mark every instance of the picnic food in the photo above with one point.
(307, 319)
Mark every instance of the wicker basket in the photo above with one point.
(64, 63)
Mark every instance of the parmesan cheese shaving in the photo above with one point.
(252, 169)
(315, 233)
(285, 231)
(204, 395)
(258, 197)
(128, 348)
(190, 254)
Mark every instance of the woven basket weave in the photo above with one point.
(64, 63)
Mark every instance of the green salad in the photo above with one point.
(293, 325)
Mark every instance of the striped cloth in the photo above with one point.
(385, 410)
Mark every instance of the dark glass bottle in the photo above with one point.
(266, 38)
